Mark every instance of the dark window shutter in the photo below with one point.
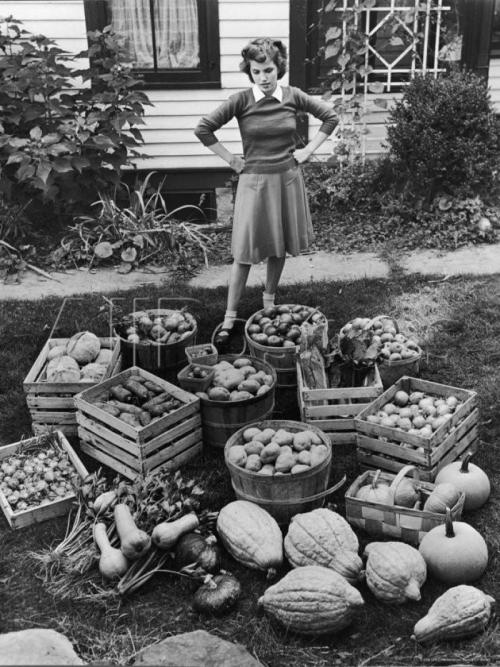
(477, 18)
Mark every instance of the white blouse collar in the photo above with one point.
(259, 95)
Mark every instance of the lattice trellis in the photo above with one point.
(419, 55)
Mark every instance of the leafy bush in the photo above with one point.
(443, 135)
(61, 142)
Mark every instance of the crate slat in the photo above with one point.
(52, 403)
(171, 439)
(51, 509)
(334, 409)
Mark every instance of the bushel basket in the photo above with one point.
(285, 495)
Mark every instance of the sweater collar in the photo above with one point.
(259, 95)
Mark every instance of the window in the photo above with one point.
(171, 43)
(495, 31)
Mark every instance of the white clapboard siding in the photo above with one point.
(494, 82)
(169, 123)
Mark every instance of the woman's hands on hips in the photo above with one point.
(237, 163)
(301, 155)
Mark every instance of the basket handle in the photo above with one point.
(58, 317)
(292, 501)
(399, 477)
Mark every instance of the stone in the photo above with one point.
(196, 649)
(37, 647)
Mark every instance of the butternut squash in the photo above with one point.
(112, 562)
(134, 542)
(165, 535)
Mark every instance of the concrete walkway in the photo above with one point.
(318, 266)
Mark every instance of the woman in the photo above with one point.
(271, 212)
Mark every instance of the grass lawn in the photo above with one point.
(459, 323)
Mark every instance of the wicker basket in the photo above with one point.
(394, 521)
(392, 370)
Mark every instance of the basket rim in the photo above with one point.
(266, 423)
(160, 311)
(263, 348)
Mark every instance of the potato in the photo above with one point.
(283, 437)
(218, 394)
(250, 433)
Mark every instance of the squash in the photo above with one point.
(323, 537)
(63, 369)
(166, 534)
(134, 542)
(405, 492)
(112, 563)
(312, 600)
(376, 491)
(394, 571)
(468, 478)
(217, 594)
(83, 347)
(461, 611)
(193, 548)
(454, 552)
(442, 496)
(251, 535)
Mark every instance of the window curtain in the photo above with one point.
(176, 31)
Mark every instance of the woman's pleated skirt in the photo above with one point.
(271, 216)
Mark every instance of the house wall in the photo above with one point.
(168, 132)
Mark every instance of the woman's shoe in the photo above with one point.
(230, 340)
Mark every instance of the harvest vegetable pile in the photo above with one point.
(137, 401)
(122, 532)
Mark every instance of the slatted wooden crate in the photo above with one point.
(171, 439)
(391, 448)
(51, 404)
(384, 520)
(333, 409)
(53, 508)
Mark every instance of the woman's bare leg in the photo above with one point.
(237, 281)
(274, 270)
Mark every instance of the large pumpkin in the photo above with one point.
(454, 552)
(470, 479)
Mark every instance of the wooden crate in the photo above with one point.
(50, 509)
(51, 404)
(333, 409)
(391, 448)
(170, 440)
(385, 520)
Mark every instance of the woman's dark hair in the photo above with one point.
(260, 50)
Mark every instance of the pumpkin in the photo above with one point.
(442, 496)
(405, 492)
(83, 347)
(454, 552)
(217, 594)
(63, 369)
(251, 535)
(376, 491)
(323, 537)
(394, 571)
(312, 600)
(461, 611)
(468, 478)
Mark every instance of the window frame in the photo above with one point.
(207, 75)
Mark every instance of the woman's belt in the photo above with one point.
(266, 168)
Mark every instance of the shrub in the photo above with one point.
(61, 143)
(443, 135)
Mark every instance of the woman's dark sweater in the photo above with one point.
(268, 127)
